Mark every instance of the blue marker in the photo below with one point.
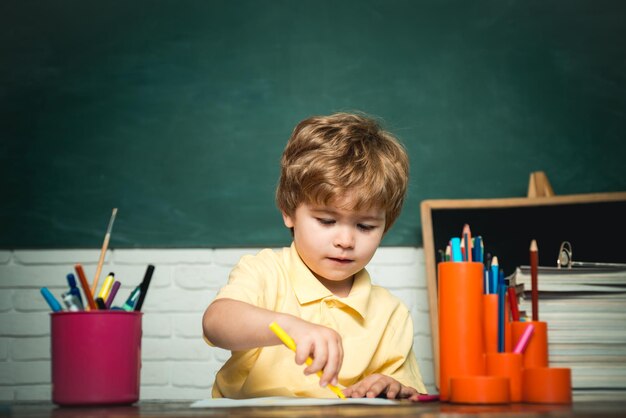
(455, 246)
(54, 304)
(71, 280)
(129, 305)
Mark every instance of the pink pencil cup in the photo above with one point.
(96, 357)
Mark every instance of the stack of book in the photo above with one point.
(585, 309)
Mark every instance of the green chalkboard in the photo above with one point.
(176, 112)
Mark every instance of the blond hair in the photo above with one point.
(329, 157)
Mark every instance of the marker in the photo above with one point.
(290, 343)
(129, 305)
(83, 282)
(52, 302)
(100, 304)
(144, 286)
(114, 289)
(524, 339)
(71, 302)
(427, 398)
(106, 286)
(455, 246)
(71, 281)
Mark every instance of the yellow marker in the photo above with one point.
(289, 342)
(106, 287)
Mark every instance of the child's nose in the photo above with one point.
(344, 238)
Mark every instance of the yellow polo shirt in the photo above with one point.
(375, 327)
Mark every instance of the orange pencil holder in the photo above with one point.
(507, 365)
(490, 321)
(480, 390)
(536, 353)
(547, 385)
(461, 341)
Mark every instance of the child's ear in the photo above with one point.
(288, 220)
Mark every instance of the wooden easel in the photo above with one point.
(539, 185)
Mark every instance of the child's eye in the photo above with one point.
(326, 221)
(366, 227)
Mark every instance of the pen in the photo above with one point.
(289, 342)
(47, 295)
(144, 287)
(83, 282)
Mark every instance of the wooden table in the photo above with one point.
(180, 409)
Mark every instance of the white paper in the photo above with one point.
(287, 401)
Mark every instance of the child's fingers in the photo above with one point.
(320, 358)
(333, 363)
(303, 351)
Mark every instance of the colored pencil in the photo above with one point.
(534, 266)
(513, 303)
(501, 310)
(524, 339)
(493, 275)
(467, 240)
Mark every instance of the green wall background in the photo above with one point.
(176, 112)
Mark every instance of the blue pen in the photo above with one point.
(54, 304)
(455, 246)
(71, 280)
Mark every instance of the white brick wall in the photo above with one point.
(177, 363)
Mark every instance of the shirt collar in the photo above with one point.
(308, 289)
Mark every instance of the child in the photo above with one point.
(342, 185)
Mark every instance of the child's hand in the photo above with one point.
(378, 384)
(322, 344)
